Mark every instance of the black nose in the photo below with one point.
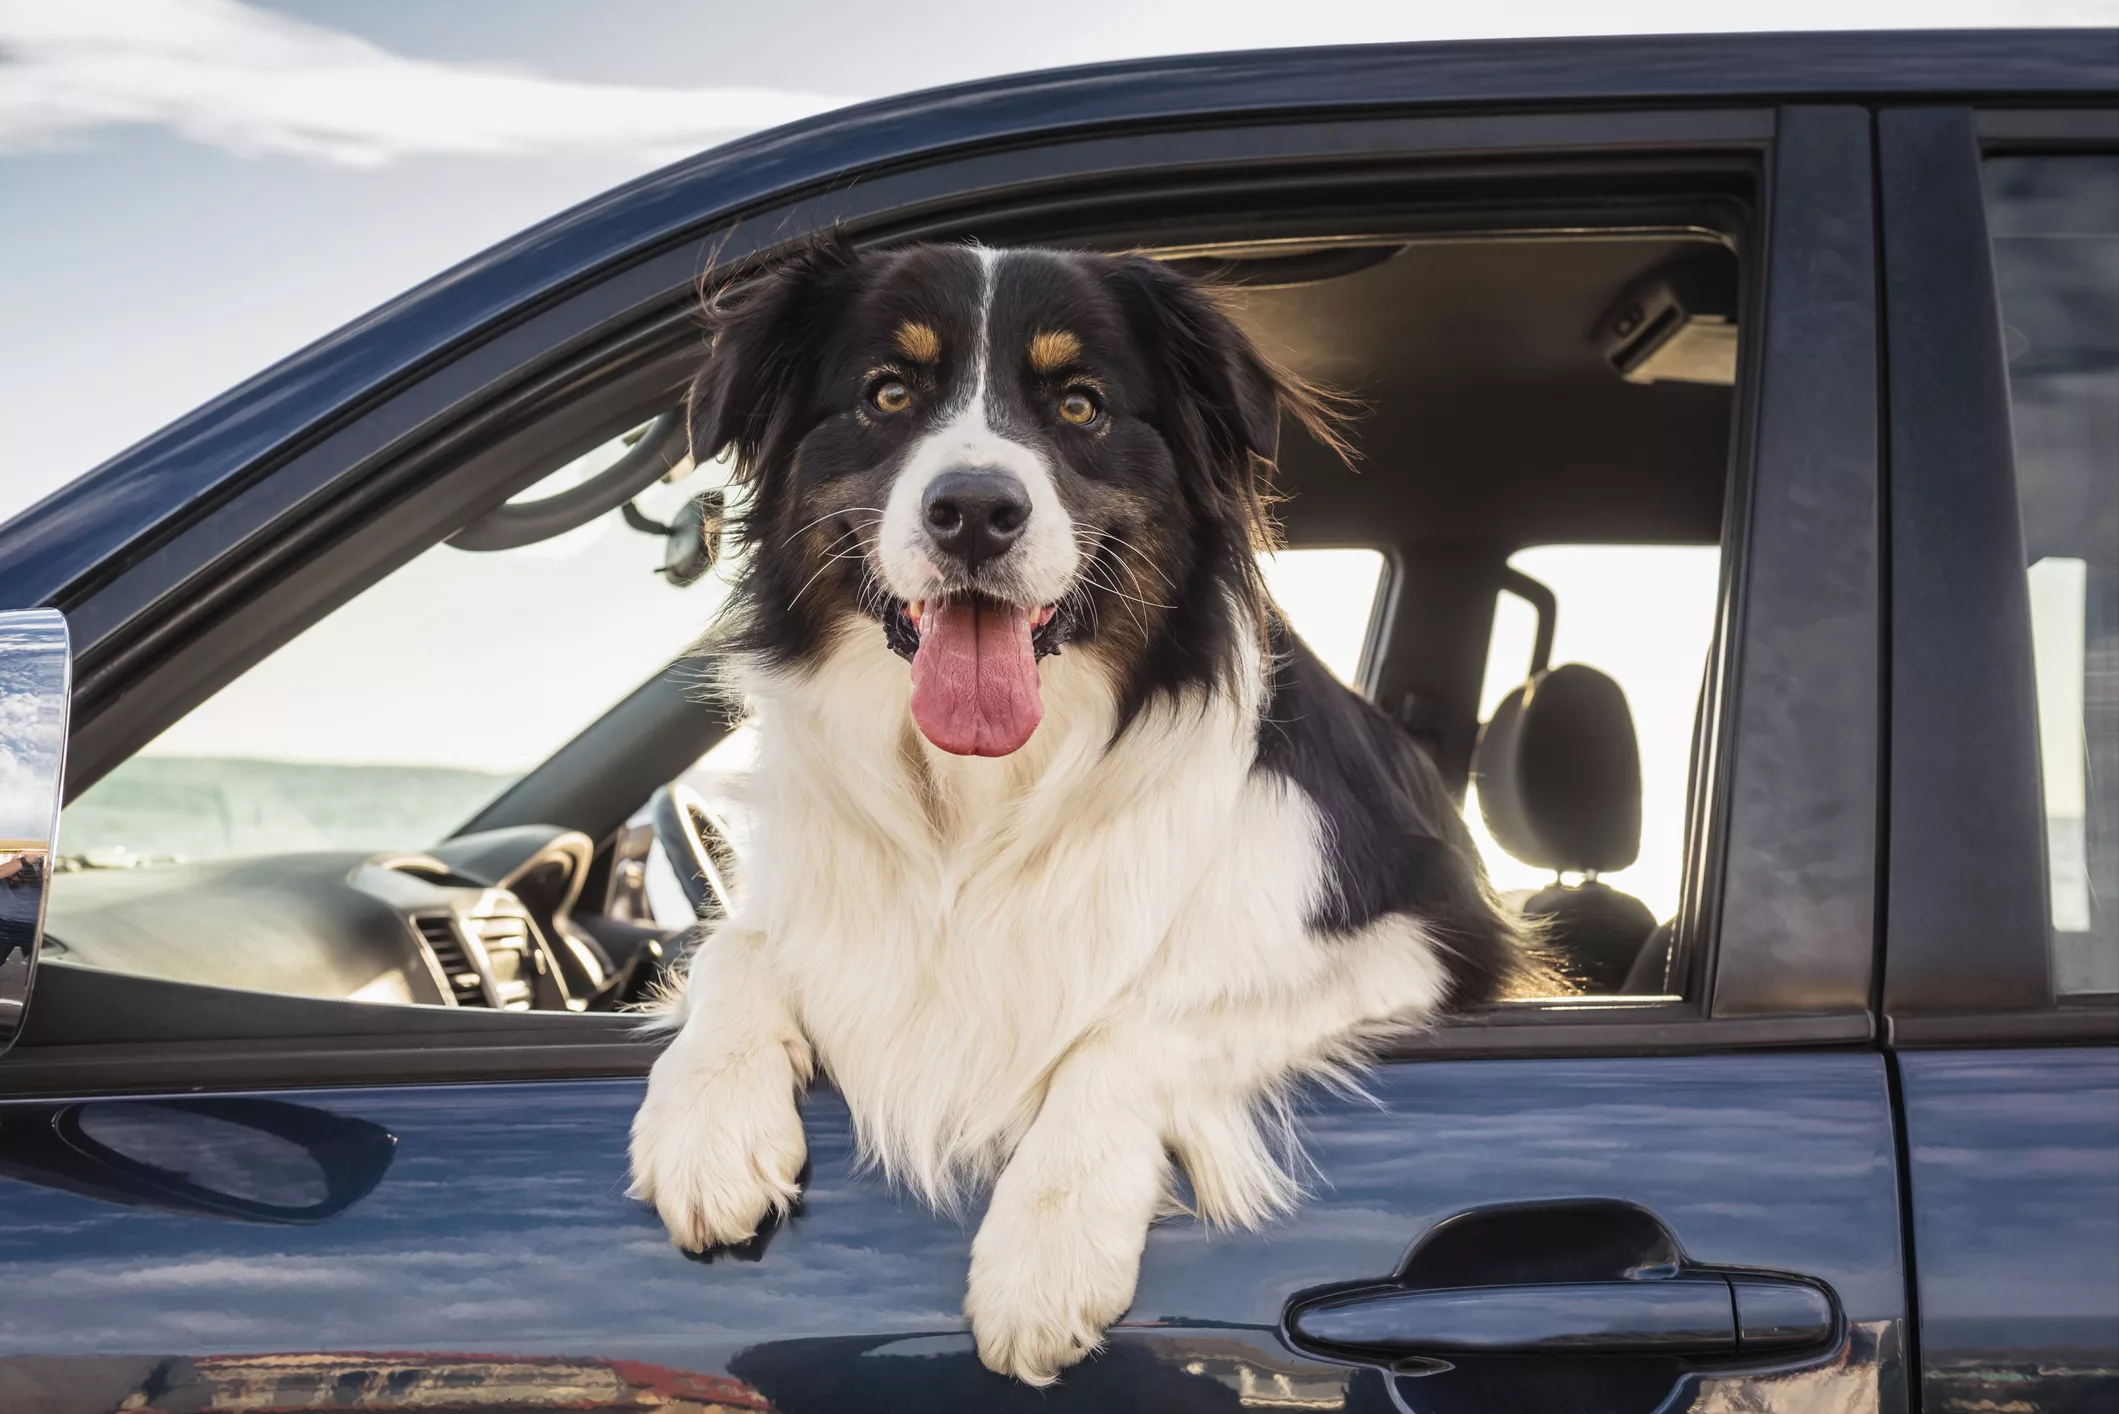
(974, 515)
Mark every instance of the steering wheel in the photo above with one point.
(696, 842)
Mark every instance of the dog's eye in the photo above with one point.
(889, 395)
(1079, 408)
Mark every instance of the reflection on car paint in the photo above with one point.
(400, 1381)
(2014, 1159)
(239, 1159)
(502, 1221)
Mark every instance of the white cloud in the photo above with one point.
(224, 74)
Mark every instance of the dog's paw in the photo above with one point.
(1045, 1282)
(717, 1144)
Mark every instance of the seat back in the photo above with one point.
(1558, 770)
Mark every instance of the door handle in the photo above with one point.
(1696, 1314)
(1587, 1278)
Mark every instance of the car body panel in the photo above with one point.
(2013, 1171)
(501, 1231)
(2012, 1156)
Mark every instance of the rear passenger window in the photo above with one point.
(2055, 226)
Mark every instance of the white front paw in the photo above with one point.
(717, 1144)
(1046, 1279)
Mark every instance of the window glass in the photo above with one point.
(1644, 615)
(391, 721)
(2055, 227)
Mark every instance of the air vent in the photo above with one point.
(512, 962)
(438, 932)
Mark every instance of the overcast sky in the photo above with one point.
(194, 188)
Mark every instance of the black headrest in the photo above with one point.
(1559, 772)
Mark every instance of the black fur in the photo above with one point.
(1394, 840)
(757, 394)
(1218, 408)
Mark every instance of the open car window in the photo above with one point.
(358, 752)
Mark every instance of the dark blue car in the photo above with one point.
(1774, 380)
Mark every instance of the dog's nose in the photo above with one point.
(974, 515)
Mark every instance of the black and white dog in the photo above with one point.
(1070, 859)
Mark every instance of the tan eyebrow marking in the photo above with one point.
(1051, 352)
(919, 343)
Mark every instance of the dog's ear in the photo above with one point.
(764, 336)
(1222, 399)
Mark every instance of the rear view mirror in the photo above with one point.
(261, 1161)
(35, 679)
(692, 538)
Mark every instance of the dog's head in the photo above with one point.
(985, 457)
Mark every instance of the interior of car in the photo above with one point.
(1539, 381)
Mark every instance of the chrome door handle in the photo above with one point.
(1581, 1277)
(1696, 1314)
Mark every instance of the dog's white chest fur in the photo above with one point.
(948, 928)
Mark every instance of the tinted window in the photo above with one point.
(2055, 225)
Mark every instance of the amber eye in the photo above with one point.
(1079, 408)
(890, 396)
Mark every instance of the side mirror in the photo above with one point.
(36, 667)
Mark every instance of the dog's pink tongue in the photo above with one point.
(974, 679)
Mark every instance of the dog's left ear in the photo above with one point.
(1223, 400)
(764, 336)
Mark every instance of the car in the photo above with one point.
(1736, 526)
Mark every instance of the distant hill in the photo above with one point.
(193, 807)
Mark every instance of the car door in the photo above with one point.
(2002, 981)
(1682, 1200)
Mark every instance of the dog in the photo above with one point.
(1070, 860)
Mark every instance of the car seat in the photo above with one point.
(1559, 776)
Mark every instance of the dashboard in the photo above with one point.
(494, 920)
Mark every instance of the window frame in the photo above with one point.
(1968, 941)
(1776, 927)
(403, 471)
